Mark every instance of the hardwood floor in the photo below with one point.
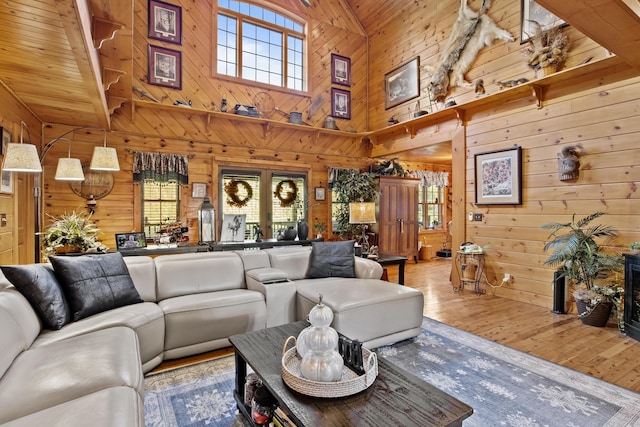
(559, 338)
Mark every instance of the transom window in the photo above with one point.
(257, 44)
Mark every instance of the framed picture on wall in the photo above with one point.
(530, 14)
(320, 193)
(340, 103)
(340, 70)
(198, 190)
(165, 67)
(165, 22)
(402, 84)
(499, 177)
(6, 178)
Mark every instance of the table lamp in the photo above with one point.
(363, 213)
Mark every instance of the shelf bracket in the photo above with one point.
(208, 122)
(104, 30)
(460, 115)
(266, 128)
(111, 76)
(115, 102)
(538, 92)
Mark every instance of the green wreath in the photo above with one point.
(231, 188)
(291, 196)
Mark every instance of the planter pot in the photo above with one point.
(598, 316)
(69, 249)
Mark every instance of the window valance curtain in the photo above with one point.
(161, 167)
(429, 178)
(334, 173)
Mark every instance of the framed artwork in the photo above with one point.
(233, 228)
(198, 190)
(340, 103)
(6, 178)
(499, 177)
(165, 67)
(402, 84)
(340, 70)
(165, 22)
(320, 193)
(530, 11)
(131, 240)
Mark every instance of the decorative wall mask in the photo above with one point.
(471, 32)
(569, 163)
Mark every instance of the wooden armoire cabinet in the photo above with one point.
(397, 224)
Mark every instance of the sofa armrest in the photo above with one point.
(279, 294)
(368, 269)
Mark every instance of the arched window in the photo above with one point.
(257, 44)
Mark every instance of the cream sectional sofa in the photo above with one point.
(90, 371)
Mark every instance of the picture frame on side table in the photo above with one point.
(320, 193)
(498, 176)
(340, 103)
(165, 67)
(6, 178)
(340, 70)
(234, 227)
(530, 11)
(198, 190)
(402, 84)
(165, 22)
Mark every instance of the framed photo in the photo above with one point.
(198, 190)
(320, 193)
(165, 67)
(530, 11)
(165, 22)
(340, 103)
(126, 241)
(233, 228)
(340, 70)
(402, 84)
(6, 178)
(499, 177)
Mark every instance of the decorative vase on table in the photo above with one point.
(290, 233)
(303, 229)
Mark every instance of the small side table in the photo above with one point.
(394, 260)
(470, 267)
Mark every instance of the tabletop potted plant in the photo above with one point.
(69, 233)
(591, 269)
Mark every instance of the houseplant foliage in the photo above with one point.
(547, 48)
(353, 186)
(74, 232)
(580, 258)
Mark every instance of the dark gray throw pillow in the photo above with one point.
(95, 283)
(332, 259)
(39, 285)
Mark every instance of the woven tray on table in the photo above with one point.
(350, 383)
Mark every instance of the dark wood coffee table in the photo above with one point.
(393, 260)
(396, 398)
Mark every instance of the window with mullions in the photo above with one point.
(257, 44)
(160, 205)
(272, 200)
(430, 206)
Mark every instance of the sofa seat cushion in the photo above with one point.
(363, 309)
(146, 319)
(94, 283)
(59, 372)
(210, 316)
(40, 287)
(111, 407)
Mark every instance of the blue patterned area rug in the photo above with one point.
(505, 387)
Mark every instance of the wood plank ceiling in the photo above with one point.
(50, 64)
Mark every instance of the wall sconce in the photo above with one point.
(69, 169)
(206, 222)
(22, 157)
(363, 213)
(569, 163)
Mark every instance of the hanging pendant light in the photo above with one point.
(22, 157)
(69, 169)
(105, 158)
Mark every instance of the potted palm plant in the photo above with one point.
(74, 232)
(580, 258)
